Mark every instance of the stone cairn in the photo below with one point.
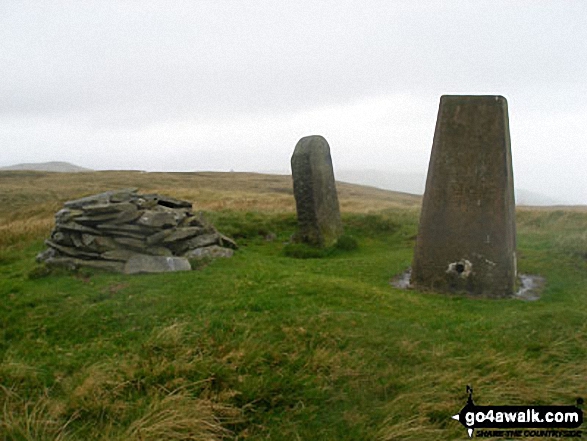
(467, 235)
(319, 222)
(124, 231)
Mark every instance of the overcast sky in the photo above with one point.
(233, 85)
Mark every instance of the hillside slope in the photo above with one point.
(207, 190)
(53, 166)
(269, 344)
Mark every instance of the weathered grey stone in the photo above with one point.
(128, 228)
(120, 207)
(227, 242)
(119, 255)
(73, 263)
(61, 238)
(167, 201)
(203, 240)
(123, 195)
(72, 226)
(45, 255)
(102, 243)
(97, 219)
(111, 228)
(127, 216)
(96, 244)
(114, 213)
(100, 209)
(178, 213)
(77, 240)
(159, 236)
(106, 265)
(193, 221)
(211, 252)
(121, 233)
(124, 254)
(145, 202)
(88, 239)
(467, 236)
(158, 251)
(155, 264)
(66, 214)
(317, 205)
(141, 246)
(183, 233)
(129, 242)
(158, 219)
(102, 198)
(72, 251)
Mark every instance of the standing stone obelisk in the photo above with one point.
(319, 222)
(467, 235)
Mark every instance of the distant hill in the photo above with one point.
(54, 166)
(415, 183)
(404, 182)
(525, 197)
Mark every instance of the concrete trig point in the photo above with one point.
(467, 235)
(314, 188)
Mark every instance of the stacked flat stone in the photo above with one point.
(124, 231)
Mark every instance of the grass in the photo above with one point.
(265, 346)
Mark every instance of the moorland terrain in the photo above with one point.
(269, 346)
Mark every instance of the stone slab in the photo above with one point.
(183, 234)
(72, 226)
(73, 263)
(203, 240)
(167, 201)
(158, 219)
(72, 251)
(211, 252)
(155, 264)
(102, 198)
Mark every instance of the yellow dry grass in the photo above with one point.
(177, 416)
(31, 420)
(41, 191)
(420, 412)
(187, 412)
(29, 200)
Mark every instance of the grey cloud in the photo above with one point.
(76, 76)
(231, 57)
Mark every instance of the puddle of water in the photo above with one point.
(403, 280)
(530, 285)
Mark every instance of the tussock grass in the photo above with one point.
(566, 230)
(18, 232)
(178, 416)
(420, 412)
(128, 398)
(31, 420)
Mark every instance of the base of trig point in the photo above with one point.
(467, 235)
